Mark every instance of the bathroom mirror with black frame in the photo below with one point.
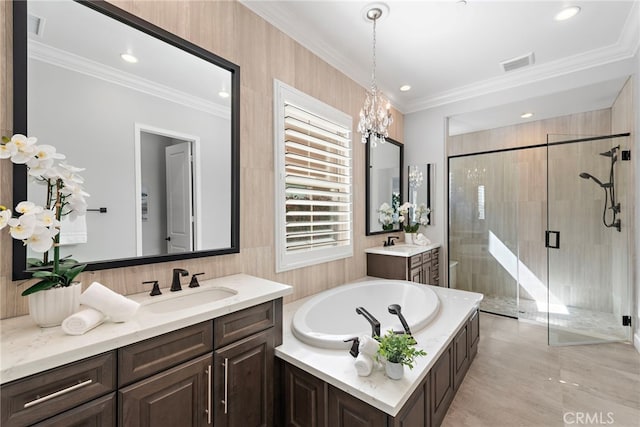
(420, 185)
(153, 119)
(383, 186)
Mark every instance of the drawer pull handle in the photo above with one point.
(39, 399)
(226, 383)
(208, 394)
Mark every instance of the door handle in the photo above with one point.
(552, 239)
(168, 239)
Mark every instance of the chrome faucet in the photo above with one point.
(375, 325)
(175, 283)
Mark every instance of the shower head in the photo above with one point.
(585, 175)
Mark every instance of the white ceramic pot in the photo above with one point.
(408, 238)
(49, 308)
(395, 371)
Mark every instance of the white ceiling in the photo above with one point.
(449, 52)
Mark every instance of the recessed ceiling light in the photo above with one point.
(223, 94)
(129, 58)
(567, 13)
(526, 115)
(405, 88)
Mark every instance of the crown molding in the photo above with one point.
(61, 58)
(625, 47)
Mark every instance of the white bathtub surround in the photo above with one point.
(330, 318)
(27, 349)
(82, 322)
(336, 366)
(117, 307)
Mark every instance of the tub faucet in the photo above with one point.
(396, 309)
(375, 325)
(175, 283)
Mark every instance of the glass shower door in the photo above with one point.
(588, 262)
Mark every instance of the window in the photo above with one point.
(313, 180)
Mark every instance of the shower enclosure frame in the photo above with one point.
(549, 280)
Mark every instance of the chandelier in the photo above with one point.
(375, 117)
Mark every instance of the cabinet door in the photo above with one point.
(417, 275)
(426, 273)
(178, 397)
(415, 413)
(243, 385)
(348, 411)
(474, 334)
(461, 355)
(441, 386)
(304, 397)
(96, 413)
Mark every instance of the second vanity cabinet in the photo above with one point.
(218, 372)
(422, 267)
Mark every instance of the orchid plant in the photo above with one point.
(38, 227)
(420, 213)
(388, 213)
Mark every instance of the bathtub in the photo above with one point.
(329, 318)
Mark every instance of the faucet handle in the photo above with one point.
(156, 287)
(355, 346)
(194, 280)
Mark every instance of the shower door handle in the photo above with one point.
(552, 239)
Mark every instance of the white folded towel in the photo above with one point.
(82, 321)
(421, 240)
(364, 365)
(119, 308)
(368, 346)
(73, 231)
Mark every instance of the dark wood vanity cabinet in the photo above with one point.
(311, 402)
(219, 372)
(421, 268)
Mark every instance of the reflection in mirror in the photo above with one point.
(384, 180)
(157, 134)
(421, 186)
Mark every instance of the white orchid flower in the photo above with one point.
(47, 218)
(5, 216)
(23, 227)
(23, 148)
(41, 240)
(43, 159)
(28, 208)
(7, 150)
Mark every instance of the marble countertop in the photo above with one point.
(336, 367)
(401, 249)
(27, 349)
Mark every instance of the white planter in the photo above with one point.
(395, 371)
(408, 238)
(49, 308)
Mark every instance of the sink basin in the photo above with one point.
(401, 249)
(186, 299)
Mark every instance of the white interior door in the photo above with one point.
(179, 198)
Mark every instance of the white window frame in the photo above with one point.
(292, 259)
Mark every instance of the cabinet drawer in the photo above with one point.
(151, 356)
(236, 326)
(40, 396)
(100, 412)
(426, 256)
(415, 261)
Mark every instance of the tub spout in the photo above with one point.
(375, 325)
(396, 309)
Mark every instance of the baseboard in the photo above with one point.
(636, 341)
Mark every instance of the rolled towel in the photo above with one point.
(421, 240)
(82, 321)
(119, 308)
(364, 365)
(368, 346)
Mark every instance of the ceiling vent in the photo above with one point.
(35, 25)
(518, 62)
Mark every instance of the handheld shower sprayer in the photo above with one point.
(585, 175)
(609, 190)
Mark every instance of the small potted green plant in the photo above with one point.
(398, 350)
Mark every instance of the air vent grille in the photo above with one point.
(518, 62)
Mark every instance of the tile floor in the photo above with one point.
(518, 380)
